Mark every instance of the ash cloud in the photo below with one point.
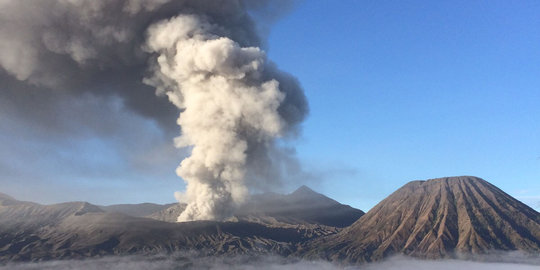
(156, 58)
(96, 46)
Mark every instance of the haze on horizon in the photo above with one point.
(506, 261)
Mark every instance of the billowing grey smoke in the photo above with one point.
(204, 56)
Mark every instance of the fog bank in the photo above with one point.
(188, 261)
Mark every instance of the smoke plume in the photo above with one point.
(205, 57)
(228, 107)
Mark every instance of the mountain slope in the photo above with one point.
(30, 231)
(23, 215)
(169, 214)
(303, 206)
(5, 197)
(431, 219)
(435, 219)
(136, 210)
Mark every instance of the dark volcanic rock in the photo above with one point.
(434, 219)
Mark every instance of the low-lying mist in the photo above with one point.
(514, 261)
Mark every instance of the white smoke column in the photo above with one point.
(56, 52)
(226, 105)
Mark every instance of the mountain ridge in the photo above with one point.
(31, 231)
(302, 206)
(136, 209)
(437, 218)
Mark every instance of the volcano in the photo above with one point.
(437, 218)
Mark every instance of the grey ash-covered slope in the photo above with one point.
(169, 214)
(302, 207)
(435, 219)
(30, 231)
(16, 214)
(136, 210)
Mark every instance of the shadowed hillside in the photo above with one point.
(30, 231)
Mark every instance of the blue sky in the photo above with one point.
(398, 91)
(405, 90)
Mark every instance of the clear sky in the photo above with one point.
(405, 90)
(398, 91)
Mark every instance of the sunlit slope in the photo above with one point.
(434, 219)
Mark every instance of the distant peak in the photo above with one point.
(305, 193)
(86, 207)
(304, 190)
